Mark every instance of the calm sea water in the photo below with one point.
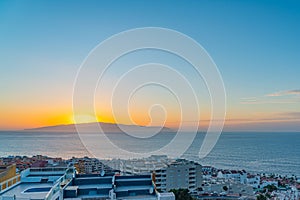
(254, 152)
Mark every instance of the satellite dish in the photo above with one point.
(102, 173)
(151, 190)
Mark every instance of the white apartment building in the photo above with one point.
(267, 182)
(236, 175)
(253, 180)
(179, 174)
(167, 173)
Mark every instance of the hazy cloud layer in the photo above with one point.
(282, 97)
(273, 121)
(284, 93)
(281, 121)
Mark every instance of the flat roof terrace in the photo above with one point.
(139, 197)
(29, 191)
(133, 188)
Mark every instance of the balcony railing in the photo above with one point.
(9, 183)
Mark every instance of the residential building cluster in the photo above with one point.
(88, 165)
(41, 177)
(240, 183)
(24, 162)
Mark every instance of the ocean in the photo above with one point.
(276, 152)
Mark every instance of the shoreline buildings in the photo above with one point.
(144, 179)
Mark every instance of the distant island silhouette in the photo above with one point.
(94, 127)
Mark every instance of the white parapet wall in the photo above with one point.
(166, 196)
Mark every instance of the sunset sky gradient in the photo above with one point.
(255, 44)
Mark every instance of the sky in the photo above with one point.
(255, 45)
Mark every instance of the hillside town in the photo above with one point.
(155, 177)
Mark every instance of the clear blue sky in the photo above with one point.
(255, 44)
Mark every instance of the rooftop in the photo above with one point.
(44, 183)
(37, 183)
(29, 190)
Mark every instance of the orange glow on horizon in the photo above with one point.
(26, 117)
(19, 118)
